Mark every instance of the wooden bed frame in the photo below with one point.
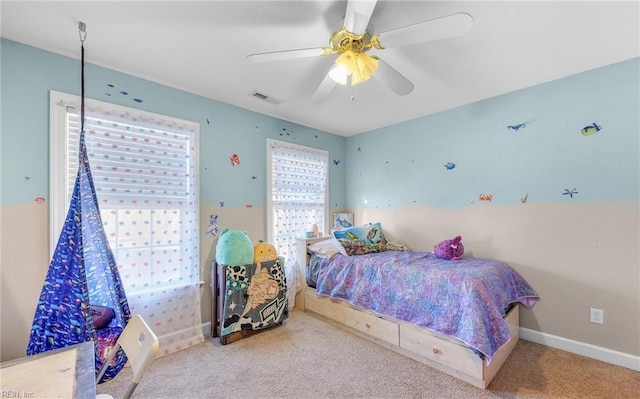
(439, 351)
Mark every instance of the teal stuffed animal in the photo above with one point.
(234, 248)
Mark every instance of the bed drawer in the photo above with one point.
(443, 351)
(372, 325)
(324, 306)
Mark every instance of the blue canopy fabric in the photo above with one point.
(82, 273)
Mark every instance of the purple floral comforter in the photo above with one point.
(466, 299)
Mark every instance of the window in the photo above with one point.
(144, 171)
(297, 198)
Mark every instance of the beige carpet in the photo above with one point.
(308, 358)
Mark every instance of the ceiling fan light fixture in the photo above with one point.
(343, 68)
(366, 66)
(354, 38)
(359, 66)
(339, 74)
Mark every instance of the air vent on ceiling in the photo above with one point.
(265, 97)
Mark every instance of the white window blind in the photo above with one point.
(144, 171)
(133, 162)
(297, 199)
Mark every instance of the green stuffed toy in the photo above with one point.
(234, 248)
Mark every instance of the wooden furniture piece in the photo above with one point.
(61, 373)
(302, 260)
(439, 351)
(218, 287)
(218, 297)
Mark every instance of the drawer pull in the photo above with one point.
(436, 350)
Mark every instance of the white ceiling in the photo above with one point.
(200, 47)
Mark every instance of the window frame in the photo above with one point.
(59, 102)
(269, 202)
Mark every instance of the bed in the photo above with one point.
(461, 317)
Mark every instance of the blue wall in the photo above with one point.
(28, 74)
(546, 157)
(564, 207)
(565, 245)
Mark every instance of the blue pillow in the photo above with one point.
(362, 240)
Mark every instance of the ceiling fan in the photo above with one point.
(351, 42)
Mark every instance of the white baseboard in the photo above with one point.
(580, 348)
(206, 329)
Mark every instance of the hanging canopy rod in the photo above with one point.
(82, 150)
(82, 28)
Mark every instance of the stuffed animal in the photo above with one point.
(213, 228)
(450, 249)
(234, 248)
(263, 252)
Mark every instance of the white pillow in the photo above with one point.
(327, 248)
